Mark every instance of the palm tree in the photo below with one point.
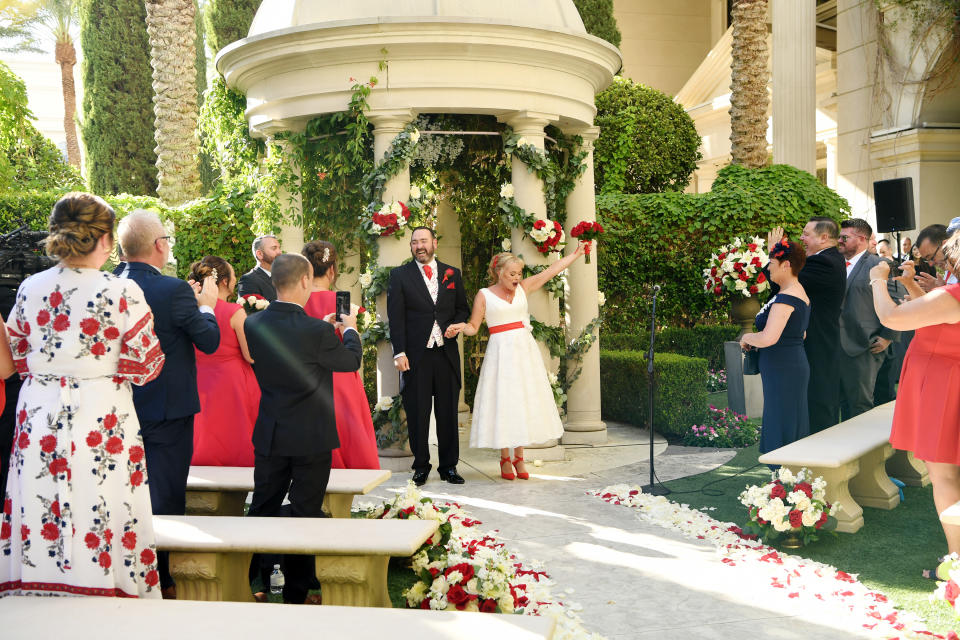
(171, 27)
(748, 86)
(59, 17)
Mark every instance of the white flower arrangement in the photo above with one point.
(365, 279)
(384, 403)
(415, 192)
(252, 304)
(790, 502)
(506, 190)
(737, 268)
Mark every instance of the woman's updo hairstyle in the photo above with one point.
(499, 263)
(322, 255)
(77, 223)
(787, 251)
(203, 269)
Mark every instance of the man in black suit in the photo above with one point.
(863, 339)
(823, 277)
(425, 297)
(294, 360)
(257, 282)
(183, 319)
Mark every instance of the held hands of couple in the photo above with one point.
(206, 292)
(454, 329)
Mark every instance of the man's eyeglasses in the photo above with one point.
(170, 240)
(845, 236)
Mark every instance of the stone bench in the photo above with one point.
(852, 458)
(121, 619)
(222, 491)
(210, 555)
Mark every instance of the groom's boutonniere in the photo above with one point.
(446, 276)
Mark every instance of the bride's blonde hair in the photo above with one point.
(499, 263)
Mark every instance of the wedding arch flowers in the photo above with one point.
(737, 269)
(388, 220)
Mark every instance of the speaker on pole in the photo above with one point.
(894, 201)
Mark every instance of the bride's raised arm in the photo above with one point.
(536, 281)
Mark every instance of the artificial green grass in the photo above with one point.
(888, 553)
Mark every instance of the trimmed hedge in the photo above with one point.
(701, 341)
(680, 398)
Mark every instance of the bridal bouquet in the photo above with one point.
(253, 303)
(737, 269)
(789, 504)
(588, 231)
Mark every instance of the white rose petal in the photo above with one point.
(262, 304)
(395, 209)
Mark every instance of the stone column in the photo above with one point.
(349, 279)
(388, 123)
(448, 251)
(528, 192)
(583, 424)
(795, 83)
(291, 233)
(831, 145)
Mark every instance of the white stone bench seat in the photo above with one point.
(851, 457)
(121, 619)
(222, 491)
(210, 555)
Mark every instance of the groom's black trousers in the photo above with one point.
(305, 478)
(432, 384)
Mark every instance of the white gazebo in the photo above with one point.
(530, 63)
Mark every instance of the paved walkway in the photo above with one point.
(634, 579)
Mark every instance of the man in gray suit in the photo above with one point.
(863, 340)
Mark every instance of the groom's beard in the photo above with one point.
(423, 258)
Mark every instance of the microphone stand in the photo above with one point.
(654, 488)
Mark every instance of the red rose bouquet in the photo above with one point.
(588, 232)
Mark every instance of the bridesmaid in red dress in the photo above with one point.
(358, 440)
(7, 369)
(927, 424)
(229, 394)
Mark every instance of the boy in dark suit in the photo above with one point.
(294, 360)
(257, 281)
(183, 319)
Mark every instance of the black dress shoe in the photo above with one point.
(451, 476)
(420, 478)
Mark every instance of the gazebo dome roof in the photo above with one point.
(560, 15)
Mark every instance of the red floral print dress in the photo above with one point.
(76, 511)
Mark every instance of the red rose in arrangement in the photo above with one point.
(147, 556)
(43, 317)
(136, 478)
(109, 421)
(152, 578)
(488, 606)
(123, 305)
(114, 445)
(55, 299)
(136, 454)
(5, 531)
(806, 487)
(796, 519)
(90, 326)
(111, 333)
(61, 322)
(94, 439)
(57, 466)
(457, 596)
(425, 604)
(50, 531)
(104, 560)
(822, 521)
(98, 349)
(92, 540)
(129, 540)
(753, 289)
(48, 443)
(778, 492)
(588, 232)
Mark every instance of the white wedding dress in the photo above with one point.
(513, 406)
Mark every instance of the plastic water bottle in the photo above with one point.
(276, 580)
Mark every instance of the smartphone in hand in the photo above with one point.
(343, 304)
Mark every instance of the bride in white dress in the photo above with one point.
(514, 403)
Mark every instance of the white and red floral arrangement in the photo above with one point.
(737, 269)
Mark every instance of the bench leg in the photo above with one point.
(907, 469)
(849, 515)
(872, 487)
(354, 581)
(211, 576)
(215, 503)
(338, 504)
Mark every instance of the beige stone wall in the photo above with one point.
(665, 41)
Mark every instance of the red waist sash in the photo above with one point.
(505, 327)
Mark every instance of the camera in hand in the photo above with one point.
(895, 271)
(20, 257)
(343, 304)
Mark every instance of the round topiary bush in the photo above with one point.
(647, 144)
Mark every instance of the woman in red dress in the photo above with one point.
(229, 394)
(358, 440)
(927, 425)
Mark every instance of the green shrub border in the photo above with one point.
(701, 341)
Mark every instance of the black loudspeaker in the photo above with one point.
(894, 200)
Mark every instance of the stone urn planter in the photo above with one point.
(397, 456)
(742, 312)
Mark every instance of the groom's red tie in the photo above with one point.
(427, 270)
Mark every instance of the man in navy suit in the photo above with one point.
(182, 318)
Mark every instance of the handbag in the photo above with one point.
(751, 362)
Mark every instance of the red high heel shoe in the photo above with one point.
(504, 474)
(524, 475)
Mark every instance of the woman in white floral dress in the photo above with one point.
(76, 511)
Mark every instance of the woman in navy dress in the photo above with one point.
(784, 371)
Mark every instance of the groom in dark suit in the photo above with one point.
(183, 319)
(424, 297)
(295, 356)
